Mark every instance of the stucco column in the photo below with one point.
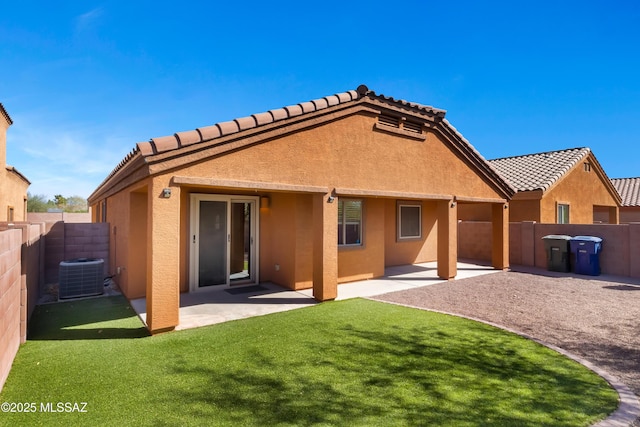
(447, 239)
(325, 247)
(163, 257)
(634, 249)
(500, 236)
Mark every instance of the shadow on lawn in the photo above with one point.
(86, 319)
(392, 377)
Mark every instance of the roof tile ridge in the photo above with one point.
(180, 139)
(5, 114)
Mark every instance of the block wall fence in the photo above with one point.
(619, 255)
(30, 254)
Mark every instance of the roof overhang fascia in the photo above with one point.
(254, 186)
(17, 173)
(132, 170)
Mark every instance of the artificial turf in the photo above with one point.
(354, 362)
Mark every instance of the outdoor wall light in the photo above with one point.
(265, 202)
(330, 199)
(166, 193)
(453, 204)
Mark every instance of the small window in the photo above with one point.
(563, 213)
(349, 222)
(409, 221)
(10, 213)
(103, 211)
(587, 167)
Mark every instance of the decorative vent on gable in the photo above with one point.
(412, 127)
(389, 121)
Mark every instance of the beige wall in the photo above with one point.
(13, 187)
(13, 194)
(582, 190)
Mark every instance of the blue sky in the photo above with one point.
(84, 81)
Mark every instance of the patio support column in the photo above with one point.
(325, 247)
(500, 236)
(447, 239)
(163, 261)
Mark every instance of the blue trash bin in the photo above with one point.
(587, 254)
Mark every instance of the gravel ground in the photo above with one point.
(597, 318)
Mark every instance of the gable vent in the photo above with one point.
(412, 127)
(389, 121)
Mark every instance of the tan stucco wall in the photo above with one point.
(13, 193)
(13, 188)
(366, 261)
(582, 191)
(349, 154)
(399, 252)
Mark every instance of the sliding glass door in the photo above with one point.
(223, 240)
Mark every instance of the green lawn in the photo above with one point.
(354, 362)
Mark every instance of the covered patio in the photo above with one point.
(231, 303)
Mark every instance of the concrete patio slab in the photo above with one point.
(217, 305)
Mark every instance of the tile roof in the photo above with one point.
(181, 139)
(208, 136)
(538, 171)
(629, 189)
(5, 114)
(218, 130)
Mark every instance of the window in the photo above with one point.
(10, 213)
(349, 222)
(587, 167)
(409, 221)
(563, 213)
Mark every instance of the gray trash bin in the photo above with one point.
(557, 248)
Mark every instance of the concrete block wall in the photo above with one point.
(11, 299)
(66, 241)
(619, 255)
(87, 241)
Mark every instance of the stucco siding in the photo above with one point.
(582, 190)
(349, 154)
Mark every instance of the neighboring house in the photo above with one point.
(629, 189)
(306, 196)
(563, 187)
(13, 185)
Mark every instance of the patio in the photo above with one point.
(224, 304)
